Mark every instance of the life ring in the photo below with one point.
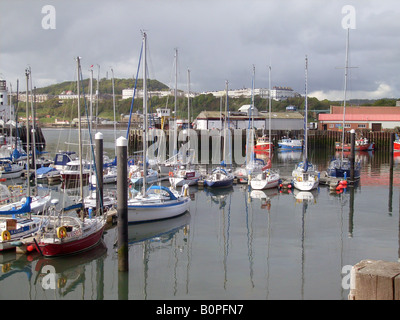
(61, 232)
(299, 179)
(5, 235)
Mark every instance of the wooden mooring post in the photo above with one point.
(375, 280)
(122, 203)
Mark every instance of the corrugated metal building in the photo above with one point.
(360, 117)
(240, 120)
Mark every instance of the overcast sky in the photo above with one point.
(217, 40)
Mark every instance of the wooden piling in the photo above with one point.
(122, 203)
(375, 280)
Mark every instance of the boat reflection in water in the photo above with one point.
(162, 230)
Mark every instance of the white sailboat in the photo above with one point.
(220, 177)
(185, 174)
(158, 202)
(339, 167)
(252, 163)
(268, 178)
(305, 175)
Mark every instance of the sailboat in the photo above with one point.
(185, 174)
(252, 163)
(67, 234)
(220, 177)
(157, 202)
(176, 158)
(268, 178)
(340, 167)
(305, 175)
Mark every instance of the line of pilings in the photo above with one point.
(317, 139)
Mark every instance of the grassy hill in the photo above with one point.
(67, 109)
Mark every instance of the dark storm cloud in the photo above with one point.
(217, 40)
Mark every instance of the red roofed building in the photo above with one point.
(360, 117)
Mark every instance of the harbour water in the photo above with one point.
(233, 244)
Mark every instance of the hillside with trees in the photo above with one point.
(66, 109)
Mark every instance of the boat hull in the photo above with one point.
(146, 212)
(71, 247)
(290, 147)
(261, 183)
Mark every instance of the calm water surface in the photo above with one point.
(232, 244)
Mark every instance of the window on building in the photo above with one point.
(362, 125)
(347, 125)
(331, 125)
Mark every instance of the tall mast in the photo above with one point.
(225, 118)
(113, 94)
(27, 74)
(144, 111)
(175, 95)
(188, 125)
(305, 114)
(345, 85)
(269, 105)
(79, 132)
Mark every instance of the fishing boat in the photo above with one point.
(340, 167)
(263, 144)
(290, 144)
(396, 143)
(360, 144)
(305, 174)
(156, 202)
(66, 234)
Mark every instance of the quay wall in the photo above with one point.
(317, 139)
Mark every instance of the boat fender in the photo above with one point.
(61, 232)
(171, 174)
(5, 235)
(186, 190)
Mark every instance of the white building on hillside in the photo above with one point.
(6, 110)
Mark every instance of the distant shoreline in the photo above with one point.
(123, 125)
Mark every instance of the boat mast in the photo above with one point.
(188, 125)
(225, 118)
(269, 105)
(79, 132)
(345, 86)
(144, 111)
(305, 115)
(27, 74)
(113, 94)
(175, 103)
